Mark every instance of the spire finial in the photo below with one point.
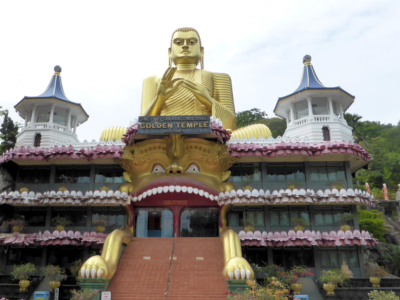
(307, 60)
(57, 69)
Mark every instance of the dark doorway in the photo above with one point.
(38, 139)
(326, 134)
(199, 222)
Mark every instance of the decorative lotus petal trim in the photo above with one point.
(266, 149)
(305, 197)
(306, 238)
(72, 198)
(55, 238)
(216, 128)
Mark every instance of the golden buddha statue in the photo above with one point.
(186, 90)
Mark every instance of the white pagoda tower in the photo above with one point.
(50, 117)
(315, 111)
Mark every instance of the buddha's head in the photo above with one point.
(186, 47)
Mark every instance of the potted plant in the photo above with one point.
(17, 224)
(297, 272)
(331, 278)
(266, 271)
(347, 218)
(60, 222)
(100, 224)
(22, 273)
(299, 224)
(382, 295)
(53, 272)
(87, 294)
(375, 273)
(76, 266)
(247, 180)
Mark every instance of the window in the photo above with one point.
(284, 215)
(34, 174)
(43, 114)
(35, 216)
(76, 215)
(73, 174)
(320, 106)
(154, 222)
(38, 139)
(256, 255)
(328, 172)
(297, 256)
(253, 214)
(114, 216)
(109, 174)
(199, 222)
(60, 116)
(64, 256)
(291, 172)
(18, 256)
(335, 258)
(301, 109)
(332, 215)
(245, 172)
(326, 134)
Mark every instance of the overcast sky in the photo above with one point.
(106, 48)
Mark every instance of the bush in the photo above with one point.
(23, 272)
(87, 294)
(375, 271)
(273, 291)
(53, 272)
(333, 276)
(372, 221)
(381, 295)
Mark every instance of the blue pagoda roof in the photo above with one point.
(54, 90)
(310, 81)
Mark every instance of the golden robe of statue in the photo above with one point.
(186, 90)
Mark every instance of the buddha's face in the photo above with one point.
(185, 48)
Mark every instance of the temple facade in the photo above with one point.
(278, 200)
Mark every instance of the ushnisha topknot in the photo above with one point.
(186, 29)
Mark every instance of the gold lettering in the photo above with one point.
(177, 124)
(164, 125)
(169, 125)
(189, 125)
(200, 125)
(158, 125)
(152, 125)
(148, 125)
(183, 125)
(205, 124)
(142, 125)
(196, 124)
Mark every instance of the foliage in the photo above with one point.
(382, 295)
(23, 272)
(392, 259)
(273, 291)
(333, 276)
(276, 125)
(60, 221)
(53, 271)
(372, 221)
(375, 271)
(86, 294)
(248, 117)
(100, 222)
(8, 133)
(19, 221)
(76, 266)
(270, 271)
(300, 222)
(346, 217)
(292, 275)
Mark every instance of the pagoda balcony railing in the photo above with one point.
(316, 119)
(48, 125)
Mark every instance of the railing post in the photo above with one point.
(170, 267)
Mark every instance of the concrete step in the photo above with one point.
(310, 288)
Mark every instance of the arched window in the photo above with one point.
(326, 134)
(38, 138)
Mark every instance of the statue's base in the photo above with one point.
(237, 286)
(100, 284)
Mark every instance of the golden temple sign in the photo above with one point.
(174, 124)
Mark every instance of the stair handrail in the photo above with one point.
(170, 267)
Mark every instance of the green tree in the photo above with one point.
(8, 133)
(372, 221)
(276, 125)
(248, 117)
(353, 120)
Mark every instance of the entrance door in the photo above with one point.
(199, 222)
(154, 222)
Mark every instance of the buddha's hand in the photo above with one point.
(95, 267)
(166, 87)
(238, 268)
(199, 91)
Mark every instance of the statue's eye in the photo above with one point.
(193, 168)
(178, 41)
(158, 169)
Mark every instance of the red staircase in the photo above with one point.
(139, 278)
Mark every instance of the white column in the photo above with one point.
(310, 112)
(33, 114)
(52, 113)
(287, 119)
(292, 112)
(330, 106)
(26, 120)
(341, 111)
(69, 121)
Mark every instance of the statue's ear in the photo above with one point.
(127, 177)
(226, 175)
(202, 58)
(169, 58)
